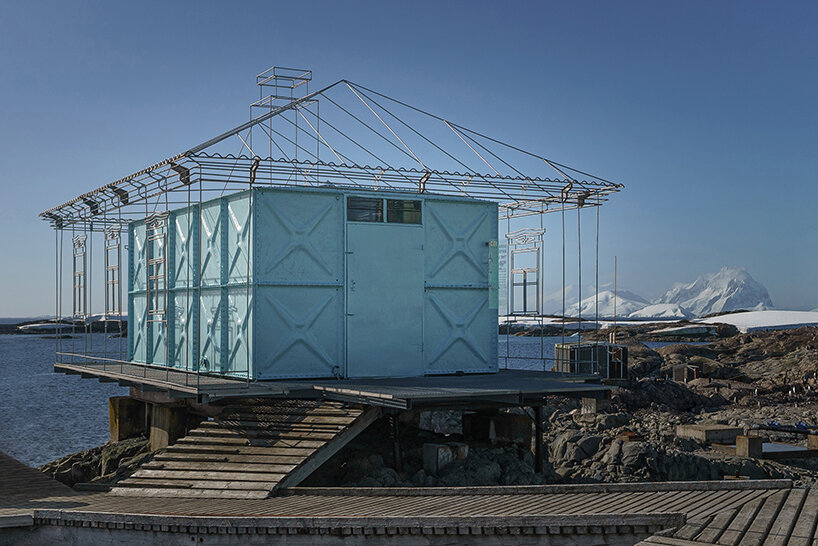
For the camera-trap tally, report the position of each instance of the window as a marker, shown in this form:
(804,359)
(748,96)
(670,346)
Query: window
(364,209)
(400,211)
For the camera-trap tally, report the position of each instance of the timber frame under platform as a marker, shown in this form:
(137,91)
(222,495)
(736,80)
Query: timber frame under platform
(504,388)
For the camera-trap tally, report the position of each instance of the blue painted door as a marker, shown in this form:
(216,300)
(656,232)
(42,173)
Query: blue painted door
(384,300)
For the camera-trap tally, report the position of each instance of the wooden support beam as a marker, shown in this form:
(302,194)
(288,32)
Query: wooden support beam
(126,417)
(539,447)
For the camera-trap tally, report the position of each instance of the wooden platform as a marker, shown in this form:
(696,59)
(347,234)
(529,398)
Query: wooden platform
(785,517)
(250,450)
(506,387)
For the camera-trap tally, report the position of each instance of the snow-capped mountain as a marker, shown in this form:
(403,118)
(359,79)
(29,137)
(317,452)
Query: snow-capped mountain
(730,289)
(626,303)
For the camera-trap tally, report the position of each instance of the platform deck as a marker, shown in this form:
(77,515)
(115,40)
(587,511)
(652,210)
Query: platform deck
(506,387)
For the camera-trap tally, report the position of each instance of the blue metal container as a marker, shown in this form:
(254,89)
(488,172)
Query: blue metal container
(316,282)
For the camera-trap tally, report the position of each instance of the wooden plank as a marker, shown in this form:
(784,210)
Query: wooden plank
(188,493)
(778,534)
(804,529)
(691,529)
(303,447)
(209,475)
(218,436)
(231,458)
(717,526)
(192,484)
(764,519)
(227,467)
(244,419)
(740,523)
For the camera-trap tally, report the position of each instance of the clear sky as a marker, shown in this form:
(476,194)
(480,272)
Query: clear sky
(706,111)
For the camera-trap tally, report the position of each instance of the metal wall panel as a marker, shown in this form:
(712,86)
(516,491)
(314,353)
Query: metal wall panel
(460,331)
(184,235)
(210,330)
(183,335)
(457,237)
(157,343)
(136,252)
(299,237)
(298,279)
(212,221)
(459,317)
(298,331)
(238,320)
(238,224)
(138,338)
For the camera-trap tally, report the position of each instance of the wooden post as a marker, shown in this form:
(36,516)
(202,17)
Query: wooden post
(126,417)
(749,446)
(168,424)
(539,448)
(395,433)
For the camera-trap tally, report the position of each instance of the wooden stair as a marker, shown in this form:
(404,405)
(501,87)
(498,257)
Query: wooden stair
(250,450)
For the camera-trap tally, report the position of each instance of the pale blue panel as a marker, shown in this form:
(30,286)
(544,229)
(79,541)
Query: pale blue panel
(384,300)
(184,234)
(210,330)
(211,243)
(239,343)
(138,264)
(185,307)
(158,343)
(238,224)
(138,335)
(460,314)
(457,237)
(298,331)
(460,331)
(299,236)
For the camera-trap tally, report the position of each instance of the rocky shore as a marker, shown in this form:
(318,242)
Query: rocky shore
(743,379)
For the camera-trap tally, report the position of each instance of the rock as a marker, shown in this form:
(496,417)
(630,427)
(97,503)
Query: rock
(608,420)
(589,445)
(633,453)
(113,453)
(82,472)
(436,457)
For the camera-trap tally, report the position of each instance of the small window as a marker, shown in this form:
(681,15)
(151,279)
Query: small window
(402,212)
(364,209)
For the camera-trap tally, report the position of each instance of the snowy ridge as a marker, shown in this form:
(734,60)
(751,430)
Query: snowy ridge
(730,289)
(624,305)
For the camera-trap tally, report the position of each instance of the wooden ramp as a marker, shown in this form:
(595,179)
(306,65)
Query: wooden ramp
(251,450)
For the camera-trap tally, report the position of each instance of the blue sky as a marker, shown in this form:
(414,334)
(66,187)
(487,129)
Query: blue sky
(704,110)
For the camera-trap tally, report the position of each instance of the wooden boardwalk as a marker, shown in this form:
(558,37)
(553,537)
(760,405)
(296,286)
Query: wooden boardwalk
(785,517)
(32,503)
(250,450)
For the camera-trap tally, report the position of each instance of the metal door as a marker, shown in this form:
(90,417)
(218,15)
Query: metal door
(384,300)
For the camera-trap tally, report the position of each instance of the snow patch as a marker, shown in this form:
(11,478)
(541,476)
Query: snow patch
(662,311)
(754,321)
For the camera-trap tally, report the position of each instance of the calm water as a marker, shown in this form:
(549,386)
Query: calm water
(47,415)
